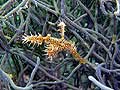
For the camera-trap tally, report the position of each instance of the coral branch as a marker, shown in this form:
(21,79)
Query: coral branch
(103,87)
(117,13)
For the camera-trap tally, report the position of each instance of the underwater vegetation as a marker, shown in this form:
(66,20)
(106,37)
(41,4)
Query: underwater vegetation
(59,45)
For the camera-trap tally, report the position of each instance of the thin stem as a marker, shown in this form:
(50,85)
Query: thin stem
(103,87)
(33,72)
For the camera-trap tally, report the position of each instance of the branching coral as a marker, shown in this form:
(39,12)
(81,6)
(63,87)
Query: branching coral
(55,45)
(94,25)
